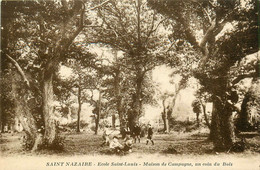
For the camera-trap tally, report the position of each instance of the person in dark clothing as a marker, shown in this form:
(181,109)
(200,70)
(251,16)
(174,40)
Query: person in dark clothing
(150,135)
(137,133)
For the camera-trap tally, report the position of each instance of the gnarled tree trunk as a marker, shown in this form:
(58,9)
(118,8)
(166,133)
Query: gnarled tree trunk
(119,100)
(79,108)
(205,114)
(197,119)
(113,121)
(222,129)
(164,116)
(98,113)
(47,98)
(137,102)
(242,123)
(25,116)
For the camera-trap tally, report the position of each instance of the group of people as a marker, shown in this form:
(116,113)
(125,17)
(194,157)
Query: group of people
(129,138)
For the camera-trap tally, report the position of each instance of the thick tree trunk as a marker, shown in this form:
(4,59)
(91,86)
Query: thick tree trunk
(98,113)
(164,116)
(97,124)
(164,120)
(50,125)
(38,141)
(79,108)
(26,118)
(119,100)
(113,121)
(137,103)
(198,120)
(170,108)
(213,122)
(243,124)
(205,115)
(167,119)
(122,122)
(28,122)
(24,114)
(167,123)
(222,129)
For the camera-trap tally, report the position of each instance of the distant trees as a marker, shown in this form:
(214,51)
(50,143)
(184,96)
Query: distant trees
(203,98)
(166,113)
(77,84)
(118,83)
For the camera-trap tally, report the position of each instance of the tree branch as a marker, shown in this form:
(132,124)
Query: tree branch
(108,43)
(138,23)
(207,35)
(210,19)
(79,29)
(153,29)
(119,16)
(19,69)
(81,22)
(115,31)
(98,6)
(190,36)
(243,76)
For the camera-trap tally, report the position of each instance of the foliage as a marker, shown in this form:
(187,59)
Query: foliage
(134,29)
(225,47)
(202,27)
(7,103)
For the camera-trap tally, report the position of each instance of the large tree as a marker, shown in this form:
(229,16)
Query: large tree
(38,35)
(203,26)
(136,30)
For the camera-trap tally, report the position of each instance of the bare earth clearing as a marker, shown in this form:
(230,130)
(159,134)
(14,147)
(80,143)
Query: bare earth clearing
(188,148)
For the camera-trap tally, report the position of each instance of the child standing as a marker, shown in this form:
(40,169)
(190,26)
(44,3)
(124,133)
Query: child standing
(150,135)
(137,133)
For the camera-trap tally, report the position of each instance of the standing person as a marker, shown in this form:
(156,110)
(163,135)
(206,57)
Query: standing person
(150,135)
(137,133)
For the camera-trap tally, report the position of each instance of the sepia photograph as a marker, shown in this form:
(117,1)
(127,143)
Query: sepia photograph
(130,84)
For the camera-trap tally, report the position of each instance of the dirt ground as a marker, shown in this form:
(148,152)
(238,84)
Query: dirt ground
(183,147)
(183,144)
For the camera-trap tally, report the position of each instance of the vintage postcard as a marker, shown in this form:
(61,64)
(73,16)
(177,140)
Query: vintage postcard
(129,84)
